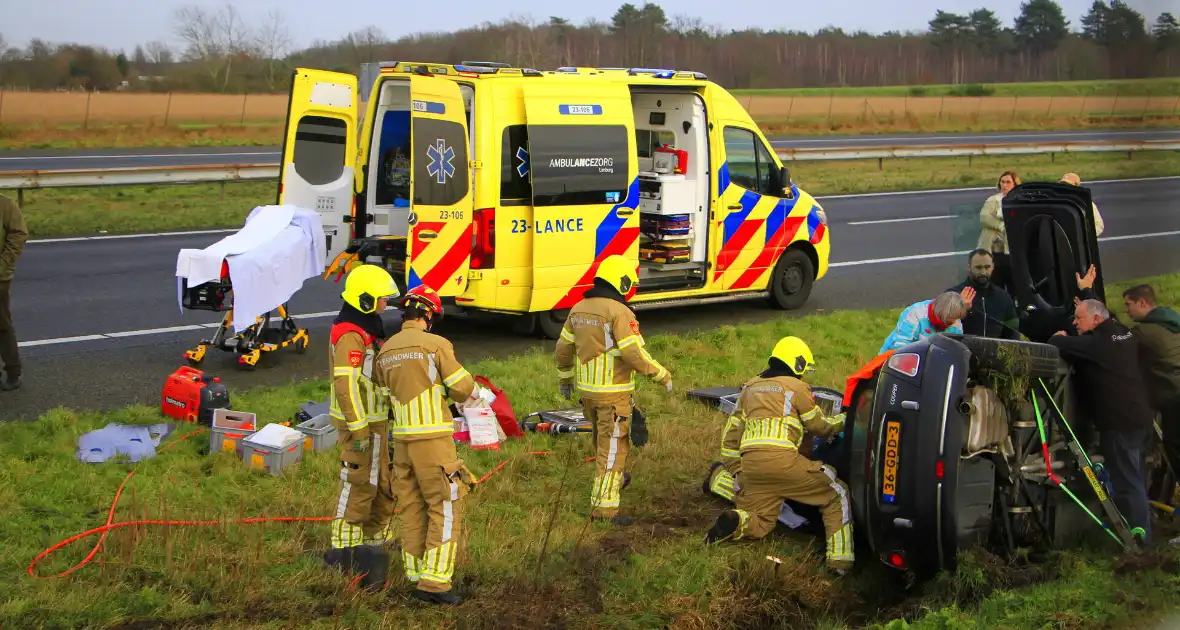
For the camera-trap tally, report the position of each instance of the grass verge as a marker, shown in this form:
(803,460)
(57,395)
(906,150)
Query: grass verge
(531,557)
(66,137)
(129,209)
(1166,86)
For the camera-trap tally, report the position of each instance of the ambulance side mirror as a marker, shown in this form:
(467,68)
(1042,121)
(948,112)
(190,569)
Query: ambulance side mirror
(784,177)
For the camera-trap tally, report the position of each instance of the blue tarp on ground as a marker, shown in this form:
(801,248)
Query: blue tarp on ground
(122,442)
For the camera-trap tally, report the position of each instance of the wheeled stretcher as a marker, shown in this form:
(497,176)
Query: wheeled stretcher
(268,260)
(260,337)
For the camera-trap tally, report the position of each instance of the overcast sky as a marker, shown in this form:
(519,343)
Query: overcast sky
(124,23)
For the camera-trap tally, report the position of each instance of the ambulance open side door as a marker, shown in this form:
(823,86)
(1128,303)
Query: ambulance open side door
(584,174)
(439,251)
(319,149)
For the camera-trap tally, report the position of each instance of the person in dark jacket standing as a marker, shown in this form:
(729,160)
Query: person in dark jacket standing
(1112,395)
(992,312)
(1158,330)
(13,235)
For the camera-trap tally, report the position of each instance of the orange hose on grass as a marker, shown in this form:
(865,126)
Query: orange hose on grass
(110,525)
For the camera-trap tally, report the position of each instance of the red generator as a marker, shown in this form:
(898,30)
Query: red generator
(190,396)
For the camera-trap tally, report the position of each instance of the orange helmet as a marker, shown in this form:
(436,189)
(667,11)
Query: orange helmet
(424,298)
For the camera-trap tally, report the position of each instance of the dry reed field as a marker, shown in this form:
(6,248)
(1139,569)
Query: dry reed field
(79,108)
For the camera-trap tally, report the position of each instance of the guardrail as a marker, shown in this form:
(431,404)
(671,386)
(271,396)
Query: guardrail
(223,174)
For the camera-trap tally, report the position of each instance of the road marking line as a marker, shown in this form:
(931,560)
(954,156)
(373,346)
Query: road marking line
(112,237)
(878,261)
(878,221)
(108,237)
(151,331)
(45,342)
(992,188)
(323,314)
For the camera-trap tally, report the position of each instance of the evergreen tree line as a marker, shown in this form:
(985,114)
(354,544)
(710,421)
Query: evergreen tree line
(223,52)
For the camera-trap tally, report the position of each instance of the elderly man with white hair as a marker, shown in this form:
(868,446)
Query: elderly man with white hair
(1112,395)
(930,317)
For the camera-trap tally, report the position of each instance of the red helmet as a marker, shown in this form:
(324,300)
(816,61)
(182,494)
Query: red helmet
(423,297)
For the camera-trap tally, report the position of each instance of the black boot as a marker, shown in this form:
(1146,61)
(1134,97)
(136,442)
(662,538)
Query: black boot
(376,565)
(10,383)
(343,559)
(726,526)
(445,597)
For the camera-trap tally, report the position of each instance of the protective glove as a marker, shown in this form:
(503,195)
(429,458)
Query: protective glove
(840,419)
(360,446)
(565,390)
(638,427)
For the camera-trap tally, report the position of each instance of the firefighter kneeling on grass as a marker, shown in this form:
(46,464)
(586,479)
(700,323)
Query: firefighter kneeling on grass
(600,349)
(774,412)
(419,369)
(365,506)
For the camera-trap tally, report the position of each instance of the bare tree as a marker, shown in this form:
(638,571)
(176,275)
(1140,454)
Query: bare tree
(272,41)
(158,54)
(213,39)
(366,44)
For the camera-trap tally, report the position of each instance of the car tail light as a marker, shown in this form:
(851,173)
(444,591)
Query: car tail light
(939,469)
(905,363)
(483,239)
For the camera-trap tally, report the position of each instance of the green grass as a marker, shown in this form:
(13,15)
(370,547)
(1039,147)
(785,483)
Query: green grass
(516,570)
(1169,86)
(88,211)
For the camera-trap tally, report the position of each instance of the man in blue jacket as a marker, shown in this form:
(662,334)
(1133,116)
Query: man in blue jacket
(992,313)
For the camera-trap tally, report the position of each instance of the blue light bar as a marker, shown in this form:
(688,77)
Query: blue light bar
(476,69)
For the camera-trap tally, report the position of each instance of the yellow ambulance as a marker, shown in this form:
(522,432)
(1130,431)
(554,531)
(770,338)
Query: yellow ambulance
(503,188)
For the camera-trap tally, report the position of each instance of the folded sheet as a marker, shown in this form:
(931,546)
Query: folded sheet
(269,259)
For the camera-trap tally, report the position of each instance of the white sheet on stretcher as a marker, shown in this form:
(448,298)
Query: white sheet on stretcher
(269,259)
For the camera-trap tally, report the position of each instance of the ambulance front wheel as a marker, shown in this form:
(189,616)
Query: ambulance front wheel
(791,280)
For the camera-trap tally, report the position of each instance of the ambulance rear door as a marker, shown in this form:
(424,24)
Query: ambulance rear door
(316,171)
(439,251)
(581,152)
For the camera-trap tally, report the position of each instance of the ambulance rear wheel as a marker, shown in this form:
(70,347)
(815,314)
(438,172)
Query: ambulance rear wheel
(550,323)
(791,280)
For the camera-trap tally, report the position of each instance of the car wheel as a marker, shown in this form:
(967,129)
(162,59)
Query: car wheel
(791,280)
(1007,356)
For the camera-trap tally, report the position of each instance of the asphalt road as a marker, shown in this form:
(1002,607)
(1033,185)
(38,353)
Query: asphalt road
(117,297)
(125,158)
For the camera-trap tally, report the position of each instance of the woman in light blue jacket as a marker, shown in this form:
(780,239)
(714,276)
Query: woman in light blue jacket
(930,317)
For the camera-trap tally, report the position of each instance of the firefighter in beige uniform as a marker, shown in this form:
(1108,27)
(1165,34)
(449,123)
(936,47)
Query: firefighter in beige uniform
(365,506)
(600,349)
(774,412)
(419,369)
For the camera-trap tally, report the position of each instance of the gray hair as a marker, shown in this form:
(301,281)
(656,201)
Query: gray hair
(1097,308)
(950,307)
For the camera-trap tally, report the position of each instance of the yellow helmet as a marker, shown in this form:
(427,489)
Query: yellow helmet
(793,352)
(365,285)
(620,274)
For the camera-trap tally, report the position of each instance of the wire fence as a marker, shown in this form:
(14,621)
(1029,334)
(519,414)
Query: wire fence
(89,108)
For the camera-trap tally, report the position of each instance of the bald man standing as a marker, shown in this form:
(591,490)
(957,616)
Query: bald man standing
(1112,395)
